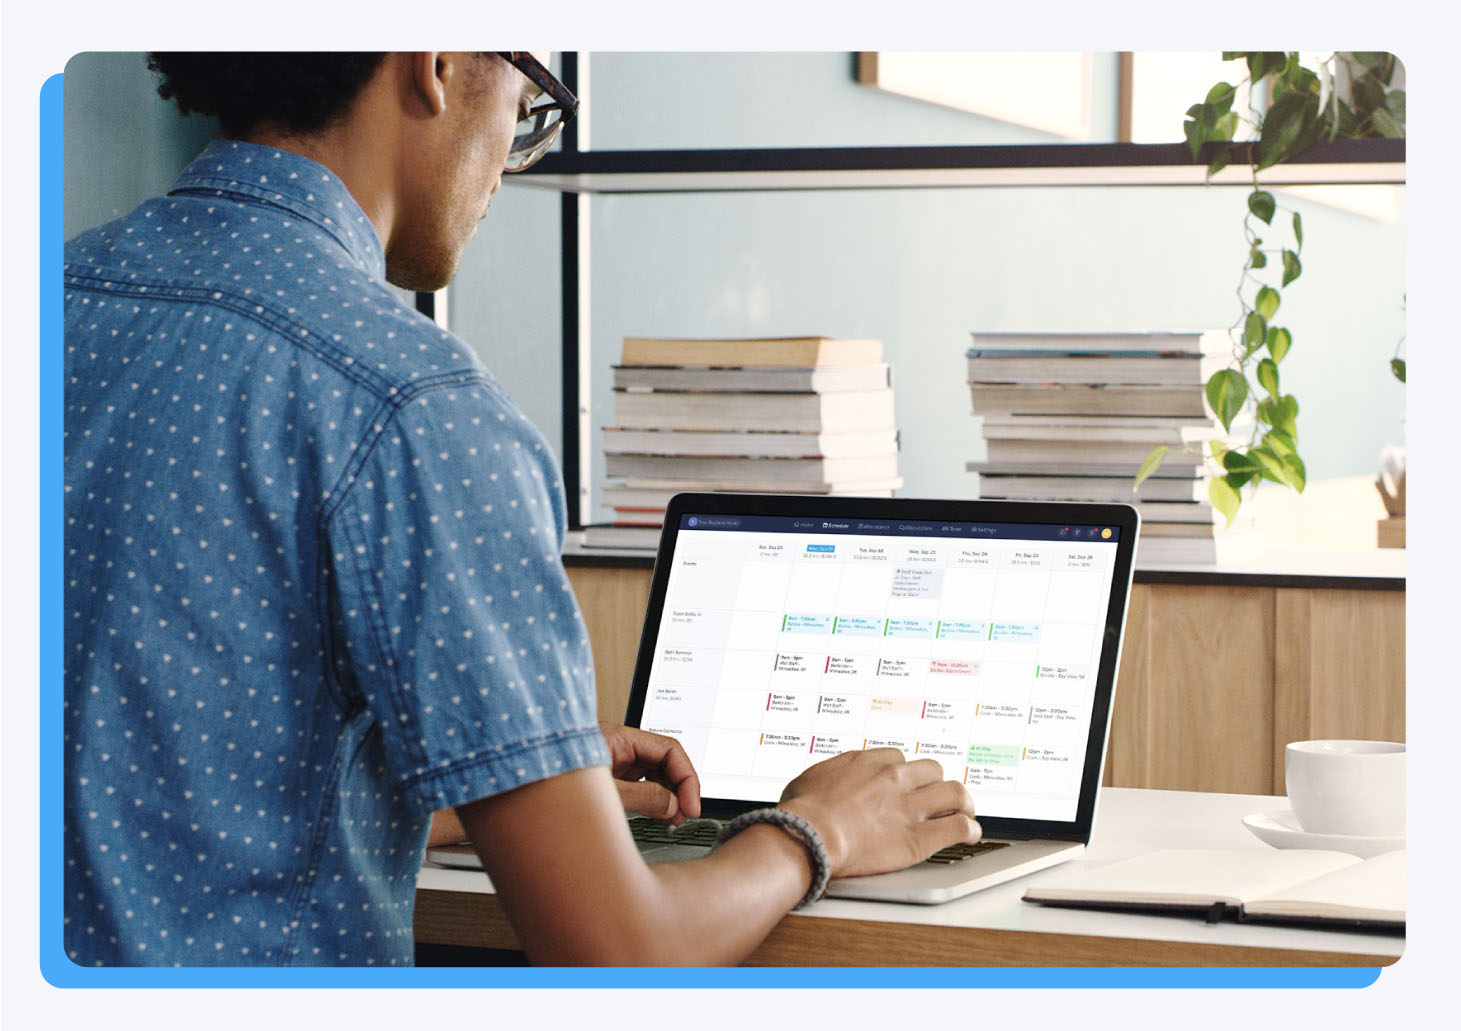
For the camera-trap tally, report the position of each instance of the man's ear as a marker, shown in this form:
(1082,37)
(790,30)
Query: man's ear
(430,74)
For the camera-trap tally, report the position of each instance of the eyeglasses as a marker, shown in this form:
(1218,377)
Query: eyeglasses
(537,129)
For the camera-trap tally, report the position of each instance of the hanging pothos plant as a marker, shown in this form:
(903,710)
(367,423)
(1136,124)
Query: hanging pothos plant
(1291,108)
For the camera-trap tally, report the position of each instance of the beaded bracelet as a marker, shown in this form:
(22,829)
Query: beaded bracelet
(798,828)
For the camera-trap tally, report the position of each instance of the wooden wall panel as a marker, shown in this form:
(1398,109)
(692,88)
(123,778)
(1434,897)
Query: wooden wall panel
(613,603)
(1127,755)
(1210,689)
(1339,667)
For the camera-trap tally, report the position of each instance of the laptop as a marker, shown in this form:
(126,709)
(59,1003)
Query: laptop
(985,635)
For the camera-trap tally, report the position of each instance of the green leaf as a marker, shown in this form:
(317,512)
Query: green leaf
(1256,257)
(1198,129)
(1386,124)
(1279,342)
(1255,332)
(1218,163)
(1287,415)
(1397,367)
(1224,497)
(1281,413)
(1219,449)
(1262,204)
(1195,134)
(1261,62)
(1271,467)
(1268,376)
(1368,94)
(1266,303)
(1298,231)
(1372,59)
(1239,468)
(1227,391)
(1220,97)
(1280,443)
(1346,124)
(1292,269)
(1150,465)
(1298,475)
(1286,127)
(1395,104)
(1298,78)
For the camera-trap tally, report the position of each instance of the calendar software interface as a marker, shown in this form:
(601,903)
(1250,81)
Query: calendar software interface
(786,640)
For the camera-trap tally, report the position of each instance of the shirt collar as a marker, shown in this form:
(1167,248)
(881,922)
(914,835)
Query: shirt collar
(289,181)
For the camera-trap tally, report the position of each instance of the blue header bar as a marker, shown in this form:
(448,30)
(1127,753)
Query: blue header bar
(1084,533)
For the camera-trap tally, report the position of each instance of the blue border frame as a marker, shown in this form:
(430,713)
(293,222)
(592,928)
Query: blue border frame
(60,972)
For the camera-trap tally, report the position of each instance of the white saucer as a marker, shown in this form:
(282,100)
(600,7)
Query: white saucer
(1281,830)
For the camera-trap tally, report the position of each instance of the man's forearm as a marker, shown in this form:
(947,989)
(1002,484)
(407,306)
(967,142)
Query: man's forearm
(718,909)
(591,899)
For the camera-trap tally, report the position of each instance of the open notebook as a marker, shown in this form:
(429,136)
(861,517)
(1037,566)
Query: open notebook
(1288,885)
(985,635)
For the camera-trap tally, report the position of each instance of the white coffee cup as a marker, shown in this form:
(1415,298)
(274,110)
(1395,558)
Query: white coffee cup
(1352,788)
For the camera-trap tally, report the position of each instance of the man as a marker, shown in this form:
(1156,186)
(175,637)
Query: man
(313,583)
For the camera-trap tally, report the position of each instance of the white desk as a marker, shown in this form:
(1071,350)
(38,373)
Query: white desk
(994,927)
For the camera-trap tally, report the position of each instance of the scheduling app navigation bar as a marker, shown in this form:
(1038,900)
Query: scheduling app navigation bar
(1083,532)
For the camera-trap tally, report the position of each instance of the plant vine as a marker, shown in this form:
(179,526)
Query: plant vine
(1290,108)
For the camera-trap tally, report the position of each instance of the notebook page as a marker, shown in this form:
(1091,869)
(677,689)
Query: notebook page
(1372,890)
(1191,876)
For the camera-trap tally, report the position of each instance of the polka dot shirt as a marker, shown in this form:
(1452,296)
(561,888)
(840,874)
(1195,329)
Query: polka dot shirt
(313,587)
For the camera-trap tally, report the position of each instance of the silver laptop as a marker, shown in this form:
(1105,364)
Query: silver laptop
(985,635)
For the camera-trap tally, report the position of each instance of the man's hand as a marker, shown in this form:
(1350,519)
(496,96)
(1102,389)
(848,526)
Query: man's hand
(653,774)
(876,812)
(577,891)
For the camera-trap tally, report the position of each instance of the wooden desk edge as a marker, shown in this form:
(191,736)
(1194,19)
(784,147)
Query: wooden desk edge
(476,920)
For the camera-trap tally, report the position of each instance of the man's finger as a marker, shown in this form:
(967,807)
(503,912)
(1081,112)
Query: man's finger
(656,757)
(947,830)
(883,754)
(941,798)
(650,799)
(921,772)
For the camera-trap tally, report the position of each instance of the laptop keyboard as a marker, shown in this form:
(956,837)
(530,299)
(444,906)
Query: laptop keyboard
(964,850)
(704,832)
(691,832)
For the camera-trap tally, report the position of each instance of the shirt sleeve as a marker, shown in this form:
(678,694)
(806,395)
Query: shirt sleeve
(462,631)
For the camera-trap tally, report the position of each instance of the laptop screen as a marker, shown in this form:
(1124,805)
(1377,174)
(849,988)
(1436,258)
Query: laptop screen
(783,638)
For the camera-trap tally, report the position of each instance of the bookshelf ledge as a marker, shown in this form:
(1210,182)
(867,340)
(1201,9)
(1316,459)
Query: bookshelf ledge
(1063,164)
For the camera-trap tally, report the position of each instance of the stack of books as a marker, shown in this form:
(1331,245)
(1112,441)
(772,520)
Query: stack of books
(794,415)
(1072,416)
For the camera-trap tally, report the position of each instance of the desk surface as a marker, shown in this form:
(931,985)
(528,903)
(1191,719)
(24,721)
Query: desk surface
(457,907)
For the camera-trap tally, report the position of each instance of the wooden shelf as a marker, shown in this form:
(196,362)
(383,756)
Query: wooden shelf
(844,168)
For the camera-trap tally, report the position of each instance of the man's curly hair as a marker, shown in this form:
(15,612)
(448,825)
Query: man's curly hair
(300,92)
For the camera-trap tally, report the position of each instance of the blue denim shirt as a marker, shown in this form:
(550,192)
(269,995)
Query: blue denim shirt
(313,587)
